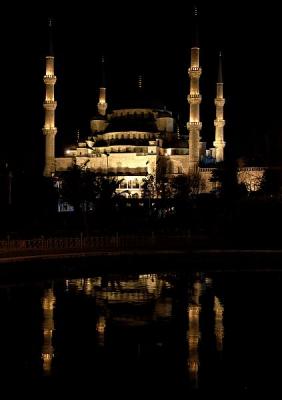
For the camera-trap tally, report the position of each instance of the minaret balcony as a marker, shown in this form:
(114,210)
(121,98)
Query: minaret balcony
(219,144)
(219,102)
(195,72)
(50,105)
(49,131)
(194,98)
(102,107)
(50,79)
(219,123)
(194,126)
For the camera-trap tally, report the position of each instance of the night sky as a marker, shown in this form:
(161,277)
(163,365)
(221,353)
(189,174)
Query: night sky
(152,38)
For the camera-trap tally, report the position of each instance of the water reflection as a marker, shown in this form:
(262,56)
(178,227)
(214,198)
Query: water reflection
(48,303)
(163,325)
(194,335)
(100,328)
(194,331)
(218,327)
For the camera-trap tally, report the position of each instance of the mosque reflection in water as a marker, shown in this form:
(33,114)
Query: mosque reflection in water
(131,324)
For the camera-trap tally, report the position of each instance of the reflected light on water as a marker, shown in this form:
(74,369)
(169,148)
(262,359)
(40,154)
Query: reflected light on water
(195,331)
(194,335)
(218,327)
(169,326)
(48,302)
(100,328)
(205,312)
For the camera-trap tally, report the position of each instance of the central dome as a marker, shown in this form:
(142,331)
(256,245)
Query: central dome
(132,119)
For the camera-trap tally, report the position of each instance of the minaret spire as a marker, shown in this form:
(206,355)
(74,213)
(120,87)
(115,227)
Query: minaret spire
(103,77)
(49,105)
(219,121)
(51,47)
(140,82)
(102,104)
(194,99)
(195,27)
(219,75)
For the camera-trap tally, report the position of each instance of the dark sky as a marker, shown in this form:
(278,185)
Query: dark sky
(149,37)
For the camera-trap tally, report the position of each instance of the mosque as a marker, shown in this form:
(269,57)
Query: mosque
(139,141)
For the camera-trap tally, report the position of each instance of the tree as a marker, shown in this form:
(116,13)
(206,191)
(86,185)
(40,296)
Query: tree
(149,189)
(163,188)
(75,186)
(271,182)
(250,178)
(225,178)
(185,186)
(196,183)
(81,187)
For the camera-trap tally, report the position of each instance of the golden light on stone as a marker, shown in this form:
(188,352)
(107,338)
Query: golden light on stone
(49,129)
(129,151)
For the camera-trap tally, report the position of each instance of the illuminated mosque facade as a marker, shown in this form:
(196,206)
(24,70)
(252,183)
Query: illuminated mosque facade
(138,141)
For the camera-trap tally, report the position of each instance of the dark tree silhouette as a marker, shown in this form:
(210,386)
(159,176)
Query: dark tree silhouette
(271,182)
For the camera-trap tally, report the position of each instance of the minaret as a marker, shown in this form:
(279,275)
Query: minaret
(219,122)
(102,104)
(50,105)
(194,99)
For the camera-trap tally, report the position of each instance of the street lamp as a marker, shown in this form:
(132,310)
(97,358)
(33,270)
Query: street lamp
(149,187)
(9,181)
(107,155)
(10,177)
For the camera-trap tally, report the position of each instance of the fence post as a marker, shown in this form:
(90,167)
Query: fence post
(117,240)
(81,240)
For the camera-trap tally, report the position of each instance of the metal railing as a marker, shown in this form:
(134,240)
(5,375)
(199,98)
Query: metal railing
(98,242)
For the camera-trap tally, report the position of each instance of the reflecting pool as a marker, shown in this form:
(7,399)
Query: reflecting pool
(137,335)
